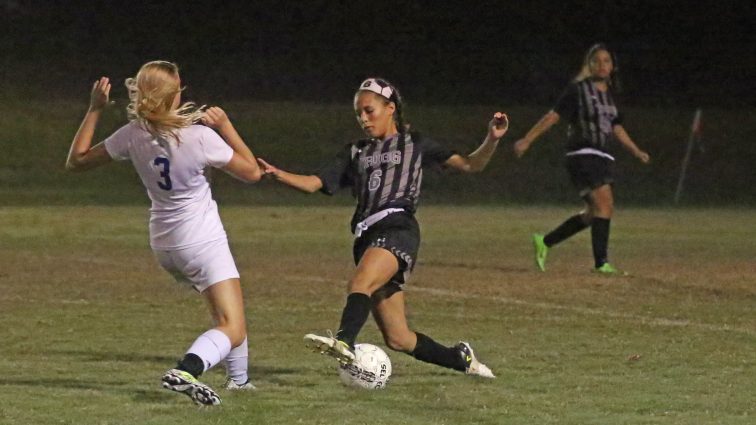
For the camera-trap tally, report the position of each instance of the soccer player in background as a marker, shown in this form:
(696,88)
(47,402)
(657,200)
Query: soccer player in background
(594,121)
(385,173)
(170,154)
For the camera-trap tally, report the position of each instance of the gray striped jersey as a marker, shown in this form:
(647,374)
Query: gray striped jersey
(383,173)
(591,115)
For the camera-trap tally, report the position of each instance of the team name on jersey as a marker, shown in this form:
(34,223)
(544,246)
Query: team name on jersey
(393,157)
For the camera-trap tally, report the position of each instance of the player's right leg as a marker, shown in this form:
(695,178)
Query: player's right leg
(376,267)
(389,314)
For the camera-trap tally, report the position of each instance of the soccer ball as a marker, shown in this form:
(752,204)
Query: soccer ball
(370,369)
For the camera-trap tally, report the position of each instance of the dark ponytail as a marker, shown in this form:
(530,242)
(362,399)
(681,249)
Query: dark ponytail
(396,97)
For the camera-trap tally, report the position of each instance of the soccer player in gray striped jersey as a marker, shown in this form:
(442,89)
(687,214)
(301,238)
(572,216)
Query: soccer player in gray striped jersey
(594,122)
(385,173)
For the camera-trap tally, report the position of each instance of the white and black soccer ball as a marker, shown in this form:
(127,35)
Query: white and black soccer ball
(370,369)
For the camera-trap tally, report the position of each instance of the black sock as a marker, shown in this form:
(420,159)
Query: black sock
(571,226)
(600,240)
(355,315)
(428,350)
(192,363)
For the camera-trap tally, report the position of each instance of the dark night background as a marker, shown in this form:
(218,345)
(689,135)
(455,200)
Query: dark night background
(524,52)
(286,72)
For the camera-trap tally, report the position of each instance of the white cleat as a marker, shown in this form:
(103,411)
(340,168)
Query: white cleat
(330,346)
(473,366)
(233,386)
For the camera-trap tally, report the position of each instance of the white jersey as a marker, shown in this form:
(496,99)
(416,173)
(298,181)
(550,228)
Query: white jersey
(183,212)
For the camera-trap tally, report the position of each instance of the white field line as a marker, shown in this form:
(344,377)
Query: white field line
(644,320)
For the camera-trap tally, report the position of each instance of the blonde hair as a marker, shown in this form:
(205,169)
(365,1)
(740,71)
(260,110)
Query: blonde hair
(151,95)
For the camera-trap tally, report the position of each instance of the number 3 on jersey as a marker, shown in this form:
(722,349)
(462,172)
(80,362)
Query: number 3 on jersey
(165,174)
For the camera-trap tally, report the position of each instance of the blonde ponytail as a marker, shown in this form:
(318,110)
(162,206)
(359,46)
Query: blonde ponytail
(152,93)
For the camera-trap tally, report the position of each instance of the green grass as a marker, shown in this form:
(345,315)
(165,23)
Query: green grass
(35,137)
(90,322)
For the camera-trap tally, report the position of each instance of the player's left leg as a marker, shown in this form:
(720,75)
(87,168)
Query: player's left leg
(601,201)
(227,309)
(567,229)
(389,314)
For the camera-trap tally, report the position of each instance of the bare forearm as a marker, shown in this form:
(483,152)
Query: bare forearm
(82,141)
(234,140)
(543,125)
(621,135)
(626,141)
(304,183)
(479,159)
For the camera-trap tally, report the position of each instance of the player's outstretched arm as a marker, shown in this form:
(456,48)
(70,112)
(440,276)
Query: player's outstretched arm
(627,143)
(478,160)
(82,156)
(305,183)
(243,164)
(543,125)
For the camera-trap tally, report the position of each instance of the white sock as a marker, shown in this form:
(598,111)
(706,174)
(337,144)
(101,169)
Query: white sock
(237,363)
(212,347)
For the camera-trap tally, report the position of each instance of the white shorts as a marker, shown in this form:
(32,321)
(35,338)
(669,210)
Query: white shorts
(200,266)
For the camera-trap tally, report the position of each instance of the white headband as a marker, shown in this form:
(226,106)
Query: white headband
(378,87)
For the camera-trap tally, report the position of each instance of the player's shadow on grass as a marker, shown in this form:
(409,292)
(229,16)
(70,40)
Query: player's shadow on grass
(105,356)
(158,395)
(257,372)
(474,266)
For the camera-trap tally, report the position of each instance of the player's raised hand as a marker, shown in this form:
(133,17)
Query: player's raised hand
(267,169)
(216,118)
(100,95)
(499,125)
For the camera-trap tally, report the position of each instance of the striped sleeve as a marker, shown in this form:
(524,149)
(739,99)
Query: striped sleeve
(433,152)
(336,174)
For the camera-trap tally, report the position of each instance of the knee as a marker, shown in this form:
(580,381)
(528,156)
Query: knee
(605,210)
(235,330)
(401,341)
(235,335)
(587,216)
(362,284)
(602,209)
(237,338)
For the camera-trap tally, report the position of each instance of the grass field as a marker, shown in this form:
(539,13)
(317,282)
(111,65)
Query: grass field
(90,322)
(35,137)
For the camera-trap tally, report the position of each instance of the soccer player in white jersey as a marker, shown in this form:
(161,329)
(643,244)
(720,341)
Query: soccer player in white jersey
(170,154)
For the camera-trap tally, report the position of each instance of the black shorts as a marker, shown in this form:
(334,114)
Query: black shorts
(589,172)
(398,233)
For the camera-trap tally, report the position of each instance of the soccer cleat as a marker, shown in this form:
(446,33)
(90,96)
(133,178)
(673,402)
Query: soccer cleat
(233,386)
(540,251)
(472,365)
(183,382)
(331,346)
(609,270)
